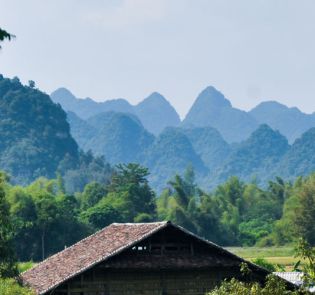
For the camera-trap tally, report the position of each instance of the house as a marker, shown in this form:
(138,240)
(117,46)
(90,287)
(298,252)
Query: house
(138,258)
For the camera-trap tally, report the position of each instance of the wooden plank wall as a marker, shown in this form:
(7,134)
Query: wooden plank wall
(143,283)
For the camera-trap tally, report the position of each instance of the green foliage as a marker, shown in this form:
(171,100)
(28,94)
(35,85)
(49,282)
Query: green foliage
(306,252)
(273,286)
(170,154)
(24,266)
(45,219)
(88,169)
(12,287)
(257,156)
(131,192)
(35,136)
(304,218)
(8,266)
(265,264)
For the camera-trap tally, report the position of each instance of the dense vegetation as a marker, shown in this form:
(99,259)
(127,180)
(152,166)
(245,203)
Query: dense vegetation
(41,218)
(36,140)
(35,135)
(46,219)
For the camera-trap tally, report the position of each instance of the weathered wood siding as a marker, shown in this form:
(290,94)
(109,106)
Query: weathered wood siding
(144,283)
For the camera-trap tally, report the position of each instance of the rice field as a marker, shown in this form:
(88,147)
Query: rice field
(282,256)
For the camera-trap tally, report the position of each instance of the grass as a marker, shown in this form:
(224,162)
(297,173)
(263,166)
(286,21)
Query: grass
(283,256)
(23,266)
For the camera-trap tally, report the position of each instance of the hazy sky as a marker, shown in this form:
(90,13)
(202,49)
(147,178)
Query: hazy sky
(251,50)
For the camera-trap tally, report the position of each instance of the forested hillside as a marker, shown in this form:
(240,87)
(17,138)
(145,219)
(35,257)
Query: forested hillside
(263,156)
(120,137)
(256,157)
(36,140)
(35,135)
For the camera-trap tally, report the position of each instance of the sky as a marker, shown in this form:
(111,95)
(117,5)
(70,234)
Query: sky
(252,51)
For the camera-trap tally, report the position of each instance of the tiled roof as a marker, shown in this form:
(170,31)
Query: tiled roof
(83,255)
(103,245)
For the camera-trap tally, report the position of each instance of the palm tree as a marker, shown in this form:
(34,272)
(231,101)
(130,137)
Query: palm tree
(5,35)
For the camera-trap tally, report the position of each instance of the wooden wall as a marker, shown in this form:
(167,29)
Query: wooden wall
(106,282)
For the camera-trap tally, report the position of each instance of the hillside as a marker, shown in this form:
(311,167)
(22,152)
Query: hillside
(291,122)
(219,141)
(300,159)
(80,129)
(256,157)
(154,112)
(34,132)
(209,145)
(171,153)
(212,109)
(119,137)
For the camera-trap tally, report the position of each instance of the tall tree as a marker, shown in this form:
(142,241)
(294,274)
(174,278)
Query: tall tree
(304,218)
(130,187)
(7,256)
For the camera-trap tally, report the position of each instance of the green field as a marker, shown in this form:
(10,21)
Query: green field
(283,256)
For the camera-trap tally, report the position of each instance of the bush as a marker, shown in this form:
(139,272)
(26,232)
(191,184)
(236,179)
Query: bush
(12,287)
(265,264)
(273,286)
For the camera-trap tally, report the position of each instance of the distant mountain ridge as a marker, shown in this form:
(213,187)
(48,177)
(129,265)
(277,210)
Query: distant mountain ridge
(291,122)
(155,112)
(210,109)
(217,139)
(39,142)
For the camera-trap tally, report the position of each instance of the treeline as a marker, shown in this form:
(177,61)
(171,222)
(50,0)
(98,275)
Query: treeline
(46,219)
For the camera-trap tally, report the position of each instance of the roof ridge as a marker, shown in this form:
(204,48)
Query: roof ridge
(139,223)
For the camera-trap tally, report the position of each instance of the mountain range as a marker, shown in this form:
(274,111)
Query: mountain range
(150,111)
(210,109)
(217,139)
(38,138)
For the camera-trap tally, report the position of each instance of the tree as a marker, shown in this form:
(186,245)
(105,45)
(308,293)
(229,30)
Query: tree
(307,253)
(92,194)
(130,187)
(7,257)
(304,218)
(273,286)
(102,214)
(31,84)
(5,35)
